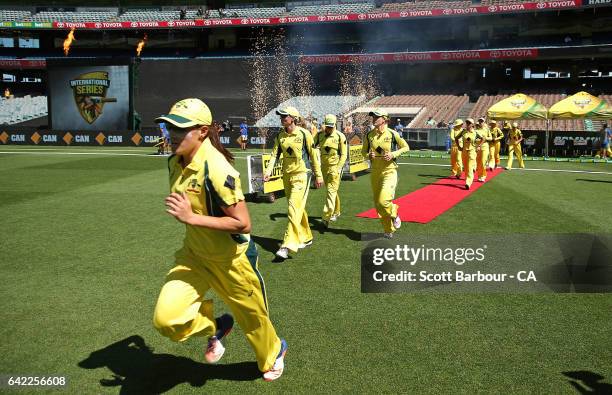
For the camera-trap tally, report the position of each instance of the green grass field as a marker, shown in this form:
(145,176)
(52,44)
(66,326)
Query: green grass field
(86,244)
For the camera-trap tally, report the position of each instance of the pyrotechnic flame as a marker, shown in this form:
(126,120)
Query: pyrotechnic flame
(68,41)
(141,45)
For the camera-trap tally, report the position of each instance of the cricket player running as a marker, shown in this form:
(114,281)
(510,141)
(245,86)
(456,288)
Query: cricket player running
(466,141)
(382,146)
(495,145)
(332,145)
(515,136)
(455,152)
(296,145)
(483,138)
(217,251)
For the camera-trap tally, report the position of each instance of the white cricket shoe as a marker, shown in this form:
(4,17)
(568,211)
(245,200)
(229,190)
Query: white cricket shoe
(397,222)
(279,364)
(283,252)
(304,245)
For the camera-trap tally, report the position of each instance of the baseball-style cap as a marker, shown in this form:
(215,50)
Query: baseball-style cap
(458,122)
(507,123)
(469,120)
(329,120)
(493,122)
(379,112)
(291,111)
(481,119)
(187,113)
(515,125)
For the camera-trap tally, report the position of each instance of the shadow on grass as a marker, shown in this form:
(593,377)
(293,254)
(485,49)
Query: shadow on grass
(316,224)
(586,382)
(587,180)
(137,369)
(432,176)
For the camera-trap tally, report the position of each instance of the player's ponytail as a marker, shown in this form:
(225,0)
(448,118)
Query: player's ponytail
(213,135)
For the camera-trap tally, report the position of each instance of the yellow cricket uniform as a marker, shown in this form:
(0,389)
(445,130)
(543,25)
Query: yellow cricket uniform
(333,150)
(514,147)
(468,154)
(455,152)
(215,259)
(384,173)
(482,156)
(297,149)
(494,147)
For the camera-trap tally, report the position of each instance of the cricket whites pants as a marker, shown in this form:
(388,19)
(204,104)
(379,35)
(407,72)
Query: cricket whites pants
(469,165)
(455,156)
(482,158)
(182,311)
(515,149)
(298,230)
(494,148)
(332,178)
(384,182)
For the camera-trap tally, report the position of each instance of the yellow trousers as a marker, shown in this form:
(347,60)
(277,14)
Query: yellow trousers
(494,148)
(456,165)
(331,177)
(469,165)
(515,149)
(482,159)
(298,230)
(182,311)
(383,189)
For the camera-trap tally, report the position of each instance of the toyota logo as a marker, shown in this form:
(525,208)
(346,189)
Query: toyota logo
(403,14)
(397,57)
(493,8)
(361,16)
(134,24)
(321,18)
(495,54)
(98,25)
(207,23)
(60,24)
(444,55)
(170,23)
(244,21)
(282,20)
(447,11)
(541,5)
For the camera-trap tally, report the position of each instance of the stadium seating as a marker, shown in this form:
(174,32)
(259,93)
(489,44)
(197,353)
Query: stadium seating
(438,107)
(315,106)
(332,9)
(22,109)
(425,5)
(256,12)
(51,16)
(11,15)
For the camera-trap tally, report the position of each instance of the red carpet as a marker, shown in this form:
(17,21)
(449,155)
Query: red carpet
(427,203)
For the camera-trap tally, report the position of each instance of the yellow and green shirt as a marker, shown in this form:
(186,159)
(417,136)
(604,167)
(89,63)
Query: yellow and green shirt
(515,135)
(333,149)
(453,134)
(496,134)
(467,139)
(483,134)
(296,149)
(382,142)
(210,182)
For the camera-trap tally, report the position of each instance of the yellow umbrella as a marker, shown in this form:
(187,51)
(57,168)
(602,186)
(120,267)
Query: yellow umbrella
(579,106)
(518,106)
